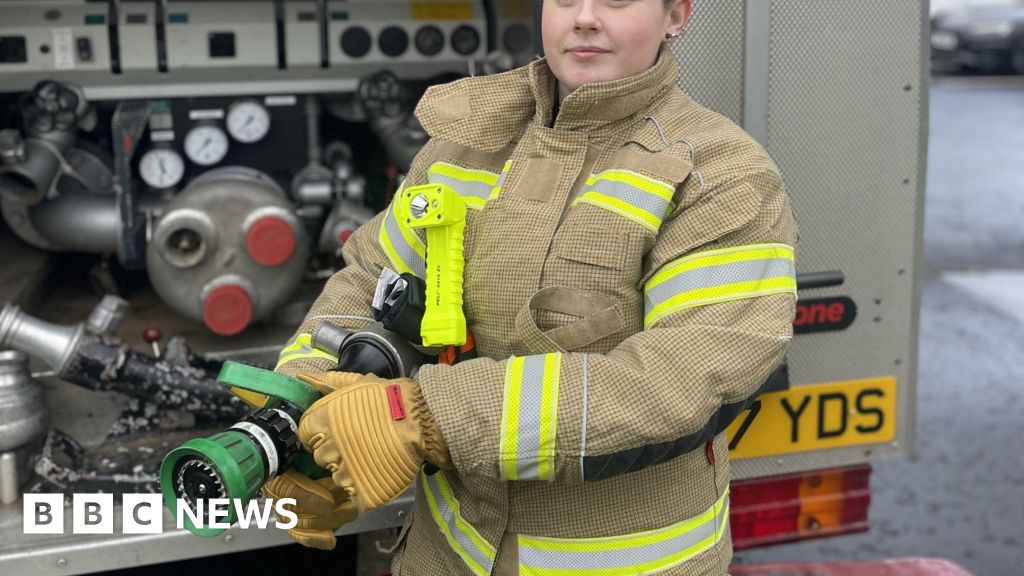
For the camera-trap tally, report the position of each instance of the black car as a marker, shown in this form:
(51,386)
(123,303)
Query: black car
(986,38)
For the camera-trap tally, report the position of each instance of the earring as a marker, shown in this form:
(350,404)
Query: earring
(672,35)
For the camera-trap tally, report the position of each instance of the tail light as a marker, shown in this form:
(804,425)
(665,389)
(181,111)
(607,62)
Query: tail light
(799,506)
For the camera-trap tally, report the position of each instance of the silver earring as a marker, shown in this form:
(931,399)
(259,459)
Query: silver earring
(672,35)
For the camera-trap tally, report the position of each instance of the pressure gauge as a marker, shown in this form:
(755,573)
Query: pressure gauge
(248,121)
(206,144)
(161,167)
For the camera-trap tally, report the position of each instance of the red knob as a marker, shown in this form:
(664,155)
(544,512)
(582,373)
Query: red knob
(152,334)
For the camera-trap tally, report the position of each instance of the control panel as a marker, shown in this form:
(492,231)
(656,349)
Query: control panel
(170,48)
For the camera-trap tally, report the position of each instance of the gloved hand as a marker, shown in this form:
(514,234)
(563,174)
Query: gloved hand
(321,506)
(373,435)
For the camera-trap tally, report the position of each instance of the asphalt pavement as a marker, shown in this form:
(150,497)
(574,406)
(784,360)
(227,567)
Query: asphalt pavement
(961,495)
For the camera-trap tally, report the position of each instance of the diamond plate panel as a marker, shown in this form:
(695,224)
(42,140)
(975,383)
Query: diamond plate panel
(710,56)
(847,102)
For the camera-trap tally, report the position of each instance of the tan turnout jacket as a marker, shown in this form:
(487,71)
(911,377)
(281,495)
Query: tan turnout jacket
(629,281)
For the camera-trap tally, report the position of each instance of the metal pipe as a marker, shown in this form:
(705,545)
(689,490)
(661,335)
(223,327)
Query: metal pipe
(52,343)
(812,280)
(106,363)
(41,163)
(8,478)
(83,222)
(108,315)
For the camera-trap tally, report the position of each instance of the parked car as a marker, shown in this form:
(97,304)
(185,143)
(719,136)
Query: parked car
(985,38)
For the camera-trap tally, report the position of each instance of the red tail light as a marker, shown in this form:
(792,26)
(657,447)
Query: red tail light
(799,506)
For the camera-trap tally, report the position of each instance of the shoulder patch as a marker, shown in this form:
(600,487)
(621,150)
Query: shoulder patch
(454,107)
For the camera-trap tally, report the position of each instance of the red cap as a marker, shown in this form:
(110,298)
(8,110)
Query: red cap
(344,236)
(227,310)
(270,241)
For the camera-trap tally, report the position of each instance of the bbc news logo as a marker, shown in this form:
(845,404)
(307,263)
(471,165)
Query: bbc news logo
(143,513)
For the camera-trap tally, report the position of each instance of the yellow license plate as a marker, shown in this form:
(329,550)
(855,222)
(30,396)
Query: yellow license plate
(442,10)
(816,417)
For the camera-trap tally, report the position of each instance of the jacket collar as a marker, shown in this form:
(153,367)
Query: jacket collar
(599,104)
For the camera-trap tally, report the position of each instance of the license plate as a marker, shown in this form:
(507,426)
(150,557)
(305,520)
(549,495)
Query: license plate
(816,417)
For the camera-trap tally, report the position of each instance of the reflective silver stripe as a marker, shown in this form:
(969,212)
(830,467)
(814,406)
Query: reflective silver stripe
(633,196)
(475,551)
(405,251)
(530,400)
(502,178)
(501,181)
(723,274)
(529,420)
(640,553)
(586,404)
(472,188)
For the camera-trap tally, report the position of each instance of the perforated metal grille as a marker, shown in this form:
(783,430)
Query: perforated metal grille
(844,117)
(710,56)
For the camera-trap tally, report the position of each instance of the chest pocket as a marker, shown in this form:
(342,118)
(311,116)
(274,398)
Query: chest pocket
(638,185)
(616,215)
(600,246)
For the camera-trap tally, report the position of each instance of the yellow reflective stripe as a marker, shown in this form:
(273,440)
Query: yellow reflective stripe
(474,186)
(475,551)
(645,219)
(510,417)
(529,420)
(466,174)
(656,187)
(721,256)
(301,348)
(403,246)
(626,555)
(634,196)
(716,276)
(501,181)
(549,417)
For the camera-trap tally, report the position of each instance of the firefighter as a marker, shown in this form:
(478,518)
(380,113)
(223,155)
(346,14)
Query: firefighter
(630,285)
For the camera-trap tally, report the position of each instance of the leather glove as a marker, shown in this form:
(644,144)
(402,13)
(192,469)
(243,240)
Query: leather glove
(320,505)
(373,435)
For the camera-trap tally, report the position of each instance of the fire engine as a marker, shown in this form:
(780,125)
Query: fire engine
(146,146)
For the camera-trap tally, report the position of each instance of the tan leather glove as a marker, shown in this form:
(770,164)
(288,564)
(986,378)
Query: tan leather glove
(320,505)
(373,435)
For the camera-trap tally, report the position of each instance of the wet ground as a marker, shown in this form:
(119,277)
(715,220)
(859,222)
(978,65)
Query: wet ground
(961,496)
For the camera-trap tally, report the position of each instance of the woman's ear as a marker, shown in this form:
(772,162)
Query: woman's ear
(679,15)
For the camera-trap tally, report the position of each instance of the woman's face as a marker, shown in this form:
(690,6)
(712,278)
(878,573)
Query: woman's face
(599,40)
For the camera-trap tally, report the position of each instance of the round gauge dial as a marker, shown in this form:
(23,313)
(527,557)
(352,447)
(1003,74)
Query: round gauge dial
(248,121)
(206,144)
(517,38)
(393,41)
(161,167)
(465,40)
(429,40)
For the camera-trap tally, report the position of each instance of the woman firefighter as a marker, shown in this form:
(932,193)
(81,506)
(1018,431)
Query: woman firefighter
(629,283)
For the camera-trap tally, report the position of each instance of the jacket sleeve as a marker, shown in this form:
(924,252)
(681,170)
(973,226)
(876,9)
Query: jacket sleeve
(720,291)
(347,297)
